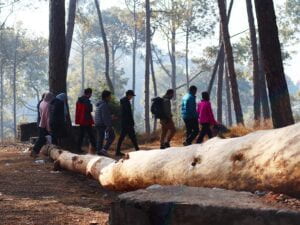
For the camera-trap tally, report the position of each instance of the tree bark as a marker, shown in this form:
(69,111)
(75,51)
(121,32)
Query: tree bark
(220,88)
(82,68)
(147,68)
(230,63)
(134,44)
(106,49)
(113,67)
(70,28)
(263,88)
(228,97)
(155,92)
(1,100)
(57,48)
(187,58)
(278,90)
(256,86)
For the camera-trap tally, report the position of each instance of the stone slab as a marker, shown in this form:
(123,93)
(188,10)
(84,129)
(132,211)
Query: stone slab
(181,205)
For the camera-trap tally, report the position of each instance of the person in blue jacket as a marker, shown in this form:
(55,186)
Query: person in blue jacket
(190,115)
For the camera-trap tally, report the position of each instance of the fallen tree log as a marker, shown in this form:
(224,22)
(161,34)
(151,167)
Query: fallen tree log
(262,160)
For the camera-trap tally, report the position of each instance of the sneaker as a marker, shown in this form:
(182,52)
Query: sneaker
(103,152)
(162,146)
(121,154)
(167,145)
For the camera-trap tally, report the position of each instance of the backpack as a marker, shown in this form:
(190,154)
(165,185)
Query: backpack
(157,108)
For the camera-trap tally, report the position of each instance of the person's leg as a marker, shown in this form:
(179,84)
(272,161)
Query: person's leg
(203,132)
(189,130)
(41,141)
(121,139)
(195,130)
(100,138)
(172,132)
(164,131)
(209,132)
(110,139)
(132,136)
(82,130)
(89,130)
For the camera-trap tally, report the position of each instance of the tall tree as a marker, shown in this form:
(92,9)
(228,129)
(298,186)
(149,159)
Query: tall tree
(57,49)
(228,97)
(256,80)
(271,51)
(220,88)
(14,82)
(230,62)
(147,67)
(106,49)
(70,27)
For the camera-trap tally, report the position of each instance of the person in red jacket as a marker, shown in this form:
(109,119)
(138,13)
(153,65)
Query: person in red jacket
(84,118)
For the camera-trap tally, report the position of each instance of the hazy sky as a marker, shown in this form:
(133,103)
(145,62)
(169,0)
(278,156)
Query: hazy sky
(36,22)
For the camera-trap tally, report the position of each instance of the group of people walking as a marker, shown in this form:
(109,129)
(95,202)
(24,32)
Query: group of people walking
(53,117)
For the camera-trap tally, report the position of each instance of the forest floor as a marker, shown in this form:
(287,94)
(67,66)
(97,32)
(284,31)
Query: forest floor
(32,193)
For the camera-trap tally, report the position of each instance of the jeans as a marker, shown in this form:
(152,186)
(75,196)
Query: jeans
(205,130)
(104,134)
(192,130)
(89,131)
(41,141)
(168,131)
(127,130)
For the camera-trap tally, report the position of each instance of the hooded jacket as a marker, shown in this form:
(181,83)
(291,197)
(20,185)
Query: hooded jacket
(84,109)
(205,113)
(189,107)
(44,111)
(103,114)
(126,112)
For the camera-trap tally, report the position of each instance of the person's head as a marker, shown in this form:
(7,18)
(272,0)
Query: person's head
(88,92)
(170,93)
(130,94)
(62,97)
(193,90)
(205,96)
(106,95)
(48,97)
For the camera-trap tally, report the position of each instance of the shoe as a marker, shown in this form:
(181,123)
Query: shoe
(162,146)
(103,153)
(121,154)
(33,154)
(167,145)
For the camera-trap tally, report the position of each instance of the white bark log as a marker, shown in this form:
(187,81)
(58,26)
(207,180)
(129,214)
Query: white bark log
(263,160)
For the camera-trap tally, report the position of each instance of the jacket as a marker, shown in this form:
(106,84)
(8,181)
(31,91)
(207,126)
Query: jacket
(58,117)
(126,113)
(103,114)
(205,113)
(167,107)
(44,111)
(83,114)
(189,107)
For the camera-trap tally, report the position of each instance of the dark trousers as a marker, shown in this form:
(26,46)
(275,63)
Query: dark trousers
(89,131)
(192,130)
(127,130)
(205,130)
(104,134)
(41,141)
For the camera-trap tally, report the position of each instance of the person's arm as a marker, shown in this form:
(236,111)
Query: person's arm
(167,109)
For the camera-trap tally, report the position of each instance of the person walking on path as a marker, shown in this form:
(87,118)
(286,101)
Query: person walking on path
(168,129)
(44,126)
(190,115)
(127,123)
(84,119)
(103,122)
(58,118)
(205,117)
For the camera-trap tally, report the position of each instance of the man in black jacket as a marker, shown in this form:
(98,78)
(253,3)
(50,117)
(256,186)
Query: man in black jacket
(127,122)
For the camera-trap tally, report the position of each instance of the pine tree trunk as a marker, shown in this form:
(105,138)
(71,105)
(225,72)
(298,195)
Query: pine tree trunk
(173,56)
(15,87)
(263,88)
(256,85)
(230,63)
(106,50)
(57,48)
(220,88)
(155,92)
(278,90)
(187,58)
(147,68)
(113,65)
(1,101)
(70,28)
(82,68)
(228,97)
(134,54)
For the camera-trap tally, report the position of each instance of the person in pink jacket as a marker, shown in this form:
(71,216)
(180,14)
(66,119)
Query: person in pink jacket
(205,117)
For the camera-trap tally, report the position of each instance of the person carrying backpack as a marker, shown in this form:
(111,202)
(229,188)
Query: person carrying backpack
(127,123)
(103,122)
(44,126)
(190,115)
(58,118)
(205,117)
(84,118)
(168,129)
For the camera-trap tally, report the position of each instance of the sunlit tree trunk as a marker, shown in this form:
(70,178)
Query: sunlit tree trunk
(230,63)
(256,85)
(147,68)
(70,28)
(57,48)
(106,49)
(271,51)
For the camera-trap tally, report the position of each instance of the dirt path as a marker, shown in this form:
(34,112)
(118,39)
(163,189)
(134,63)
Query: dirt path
(31,193)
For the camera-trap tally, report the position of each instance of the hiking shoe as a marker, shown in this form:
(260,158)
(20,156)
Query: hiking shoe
(103,153)
(121,154)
